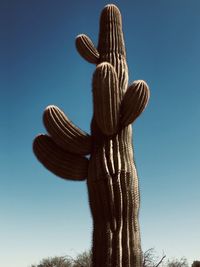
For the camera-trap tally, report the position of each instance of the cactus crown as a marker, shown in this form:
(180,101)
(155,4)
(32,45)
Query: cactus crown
(111,38)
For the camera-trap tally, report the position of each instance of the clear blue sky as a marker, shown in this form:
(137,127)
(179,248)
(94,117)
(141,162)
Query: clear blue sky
(42,215)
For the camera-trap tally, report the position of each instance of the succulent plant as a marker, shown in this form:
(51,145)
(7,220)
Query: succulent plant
(196,264)
(110,170)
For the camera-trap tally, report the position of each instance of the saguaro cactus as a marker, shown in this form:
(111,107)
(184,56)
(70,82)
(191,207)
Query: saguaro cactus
(110,170)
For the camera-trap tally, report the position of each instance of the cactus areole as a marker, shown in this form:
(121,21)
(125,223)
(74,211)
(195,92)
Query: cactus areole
(110,170)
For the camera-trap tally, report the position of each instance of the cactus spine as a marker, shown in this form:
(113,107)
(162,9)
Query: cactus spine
(110,172)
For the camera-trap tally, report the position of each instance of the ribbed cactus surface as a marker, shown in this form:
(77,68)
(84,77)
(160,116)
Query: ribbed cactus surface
(110,171)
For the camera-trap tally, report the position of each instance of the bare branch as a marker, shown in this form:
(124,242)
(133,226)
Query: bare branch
(160,261)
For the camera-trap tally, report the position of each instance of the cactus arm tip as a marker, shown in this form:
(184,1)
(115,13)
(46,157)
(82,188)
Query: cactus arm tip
(61,163)
(134,102)
(106,98)
(86,48)
(68,136)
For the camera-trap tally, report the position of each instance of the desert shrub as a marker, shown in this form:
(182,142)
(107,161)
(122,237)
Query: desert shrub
(54,262)
(178,263)
(81,260)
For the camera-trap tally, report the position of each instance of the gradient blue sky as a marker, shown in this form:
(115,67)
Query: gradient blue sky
(42,215)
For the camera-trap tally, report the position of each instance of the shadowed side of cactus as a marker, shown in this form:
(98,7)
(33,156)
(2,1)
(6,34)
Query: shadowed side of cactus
(110,171)
(59,161)
(196,264)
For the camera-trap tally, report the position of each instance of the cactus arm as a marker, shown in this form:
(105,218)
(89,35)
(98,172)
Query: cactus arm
(64,133)
(134,102)
(86,49)
(61,163)
(106,98)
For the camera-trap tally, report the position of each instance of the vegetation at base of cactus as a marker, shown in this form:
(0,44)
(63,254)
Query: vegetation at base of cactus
(65,133)
(86,49)
(83,259)
(112,180)
(60,162)
(150,259)
(177,262)
(134,102)
(54,262)
(106,98)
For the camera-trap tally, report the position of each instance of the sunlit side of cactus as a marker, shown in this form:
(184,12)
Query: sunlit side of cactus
(110,171)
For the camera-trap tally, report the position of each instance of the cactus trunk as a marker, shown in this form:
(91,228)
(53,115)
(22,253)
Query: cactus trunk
(114,200)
